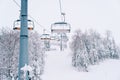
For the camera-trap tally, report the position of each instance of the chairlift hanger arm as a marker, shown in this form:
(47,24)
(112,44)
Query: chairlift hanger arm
(62,14)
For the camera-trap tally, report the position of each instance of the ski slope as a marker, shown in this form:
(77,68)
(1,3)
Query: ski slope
(58,67)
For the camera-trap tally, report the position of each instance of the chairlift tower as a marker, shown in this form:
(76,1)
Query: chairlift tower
(23,56)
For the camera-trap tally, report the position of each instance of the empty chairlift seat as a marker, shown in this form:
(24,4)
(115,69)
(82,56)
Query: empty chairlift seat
(17,23)
(45,37)
(60,27)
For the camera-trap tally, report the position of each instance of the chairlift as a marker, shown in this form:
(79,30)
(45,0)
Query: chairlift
(60,27)
(45,37)
(16,25)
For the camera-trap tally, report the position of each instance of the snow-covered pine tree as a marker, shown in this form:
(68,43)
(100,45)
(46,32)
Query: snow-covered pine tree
(80,55)
(95,40)
(110,46)
(74,47)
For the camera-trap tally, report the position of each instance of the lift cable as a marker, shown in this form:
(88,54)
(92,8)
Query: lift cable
(16,3)
(36,21)
(30,16)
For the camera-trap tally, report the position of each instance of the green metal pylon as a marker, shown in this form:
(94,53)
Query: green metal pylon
(23,55)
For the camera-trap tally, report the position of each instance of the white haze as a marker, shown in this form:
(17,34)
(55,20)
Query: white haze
(100,15)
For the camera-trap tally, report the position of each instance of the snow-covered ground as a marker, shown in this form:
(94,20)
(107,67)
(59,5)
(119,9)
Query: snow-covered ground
(58,67)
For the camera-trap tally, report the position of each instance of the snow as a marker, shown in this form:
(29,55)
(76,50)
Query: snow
(26,68)
(58,67)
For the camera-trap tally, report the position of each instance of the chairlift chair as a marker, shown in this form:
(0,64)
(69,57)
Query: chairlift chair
(30,25)
(16,25)
(60,27)
(45,37)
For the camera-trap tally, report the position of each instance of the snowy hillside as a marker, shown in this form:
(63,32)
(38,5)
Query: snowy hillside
(58,67)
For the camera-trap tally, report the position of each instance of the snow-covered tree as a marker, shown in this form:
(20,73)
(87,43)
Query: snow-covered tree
(110,46)
(94,41)
(9,44)
(90,47)
(9,49)
(36,52)
(80,55)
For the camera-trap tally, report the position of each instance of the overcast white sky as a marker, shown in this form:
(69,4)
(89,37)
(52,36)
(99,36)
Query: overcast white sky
(100,15)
